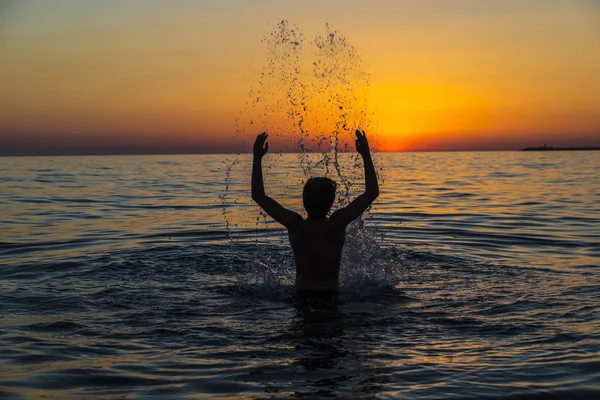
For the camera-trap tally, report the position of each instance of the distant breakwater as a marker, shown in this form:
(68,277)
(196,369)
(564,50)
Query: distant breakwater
(549,148)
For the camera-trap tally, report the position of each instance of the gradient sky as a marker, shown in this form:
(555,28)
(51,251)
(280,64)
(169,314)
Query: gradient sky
(113,76)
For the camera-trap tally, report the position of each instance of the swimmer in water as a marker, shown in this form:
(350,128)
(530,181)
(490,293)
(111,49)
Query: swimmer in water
(318,240)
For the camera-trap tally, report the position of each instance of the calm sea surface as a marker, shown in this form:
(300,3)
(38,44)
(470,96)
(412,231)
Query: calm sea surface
(476,275)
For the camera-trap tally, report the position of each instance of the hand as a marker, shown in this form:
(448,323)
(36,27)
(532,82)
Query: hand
(261,146)
(362,145)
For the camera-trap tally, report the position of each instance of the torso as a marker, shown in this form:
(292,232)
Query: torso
(317,247)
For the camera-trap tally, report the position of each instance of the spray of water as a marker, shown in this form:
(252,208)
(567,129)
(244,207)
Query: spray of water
(311,97)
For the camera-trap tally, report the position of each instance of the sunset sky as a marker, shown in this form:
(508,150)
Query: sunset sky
(113,76)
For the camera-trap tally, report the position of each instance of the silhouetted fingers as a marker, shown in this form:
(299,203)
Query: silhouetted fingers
(262,138)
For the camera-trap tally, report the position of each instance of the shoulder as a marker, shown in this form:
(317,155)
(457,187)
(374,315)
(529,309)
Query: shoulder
(336,222)
(335,217)
(295,221)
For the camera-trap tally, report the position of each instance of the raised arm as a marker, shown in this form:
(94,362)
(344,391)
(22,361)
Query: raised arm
(279,213)
(349,213)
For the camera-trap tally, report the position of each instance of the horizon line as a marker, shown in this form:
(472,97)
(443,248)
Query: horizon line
(117,154)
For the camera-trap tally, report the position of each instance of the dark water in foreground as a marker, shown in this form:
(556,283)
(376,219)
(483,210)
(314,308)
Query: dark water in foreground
(118,280)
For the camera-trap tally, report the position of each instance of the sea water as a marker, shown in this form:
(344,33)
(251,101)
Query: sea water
(117,278)
(474,274)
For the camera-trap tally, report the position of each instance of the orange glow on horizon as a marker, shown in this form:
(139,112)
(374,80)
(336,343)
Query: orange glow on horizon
(86,75)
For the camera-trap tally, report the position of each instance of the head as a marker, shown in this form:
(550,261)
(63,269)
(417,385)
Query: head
(318,196)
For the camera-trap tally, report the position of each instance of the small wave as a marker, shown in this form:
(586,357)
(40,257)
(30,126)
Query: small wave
(501,174)
(7,248)
(457,194)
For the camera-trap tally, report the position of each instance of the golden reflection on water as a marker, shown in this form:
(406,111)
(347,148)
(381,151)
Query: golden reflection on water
(507,240)
(475,200)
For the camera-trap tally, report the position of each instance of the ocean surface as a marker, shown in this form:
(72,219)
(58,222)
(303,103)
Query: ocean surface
(475,275)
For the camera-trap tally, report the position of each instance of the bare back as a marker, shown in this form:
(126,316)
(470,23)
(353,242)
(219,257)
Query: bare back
(317,245)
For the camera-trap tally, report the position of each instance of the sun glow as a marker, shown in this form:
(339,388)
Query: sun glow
(448,77)
(406,113)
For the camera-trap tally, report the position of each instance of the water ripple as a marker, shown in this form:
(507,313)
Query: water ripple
(118,279)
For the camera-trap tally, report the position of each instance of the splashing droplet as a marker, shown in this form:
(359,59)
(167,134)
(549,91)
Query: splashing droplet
(313,98)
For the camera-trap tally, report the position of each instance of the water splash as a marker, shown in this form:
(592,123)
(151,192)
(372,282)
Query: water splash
(310,97)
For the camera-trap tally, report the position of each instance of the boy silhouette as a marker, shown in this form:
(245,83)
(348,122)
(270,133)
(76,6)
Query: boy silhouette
(316,241)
